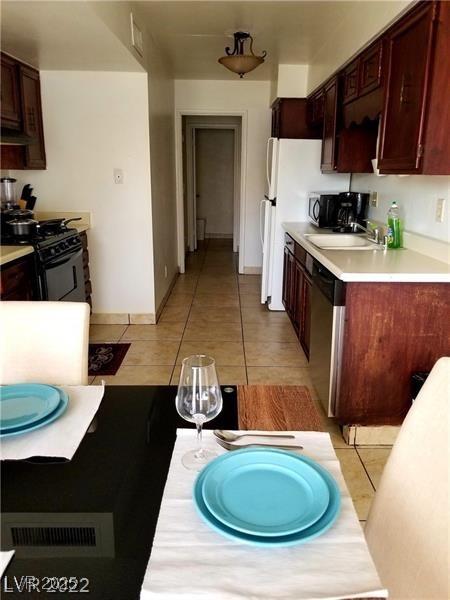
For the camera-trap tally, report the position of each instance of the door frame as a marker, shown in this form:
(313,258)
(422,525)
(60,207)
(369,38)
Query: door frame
(240,165)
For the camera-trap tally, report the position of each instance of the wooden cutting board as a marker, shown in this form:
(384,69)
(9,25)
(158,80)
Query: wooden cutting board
(278,408)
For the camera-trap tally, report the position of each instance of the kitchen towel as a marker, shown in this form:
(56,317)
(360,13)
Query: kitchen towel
(190,561)
(61,438)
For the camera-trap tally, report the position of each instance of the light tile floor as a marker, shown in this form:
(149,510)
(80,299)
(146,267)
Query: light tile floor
(214,310)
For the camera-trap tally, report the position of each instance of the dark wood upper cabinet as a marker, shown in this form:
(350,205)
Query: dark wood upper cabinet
(315,106)
(350,77)
(330,125)
(409,56)
(21,111)
(32,117)
(10,98)
(370,68)
(290,119)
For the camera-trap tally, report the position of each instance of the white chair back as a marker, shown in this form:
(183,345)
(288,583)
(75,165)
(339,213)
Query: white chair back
(408,524)
(44,342)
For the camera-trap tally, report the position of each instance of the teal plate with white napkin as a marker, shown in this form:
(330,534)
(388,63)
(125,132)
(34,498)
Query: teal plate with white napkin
(26,403)
(49,417)
(264,492)
(320,526)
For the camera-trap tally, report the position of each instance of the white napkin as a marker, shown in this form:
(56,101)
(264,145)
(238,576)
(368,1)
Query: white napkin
(61,438)
(5,557)
(190,560)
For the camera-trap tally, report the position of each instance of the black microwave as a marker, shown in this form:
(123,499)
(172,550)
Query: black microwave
(323,209)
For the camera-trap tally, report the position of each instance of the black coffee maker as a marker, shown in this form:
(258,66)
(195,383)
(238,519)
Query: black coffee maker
(352,207)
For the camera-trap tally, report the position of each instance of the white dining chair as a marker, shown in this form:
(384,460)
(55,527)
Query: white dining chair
(44,342)
(408,525)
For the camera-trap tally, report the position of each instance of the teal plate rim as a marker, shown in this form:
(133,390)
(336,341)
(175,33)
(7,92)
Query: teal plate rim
(311,532)
(60,409)
(34,389)
(310,476)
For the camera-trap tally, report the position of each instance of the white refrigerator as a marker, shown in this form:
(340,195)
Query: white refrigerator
(293,170)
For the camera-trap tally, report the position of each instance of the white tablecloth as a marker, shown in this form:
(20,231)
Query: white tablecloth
(5,558)
(189,560)
(61,438)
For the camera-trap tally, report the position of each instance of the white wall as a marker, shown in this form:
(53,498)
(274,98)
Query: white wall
(416,196)
(214,164)
(162,155)
(251,97)
(93,123)
(361,22)
(291,82)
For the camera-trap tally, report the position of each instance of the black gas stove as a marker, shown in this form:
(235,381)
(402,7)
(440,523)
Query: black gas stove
(58,263)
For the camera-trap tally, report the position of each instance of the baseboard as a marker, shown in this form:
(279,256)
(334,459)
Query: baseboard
(220,236)
(166,296)
(252,271)
(123,319)
(360,435)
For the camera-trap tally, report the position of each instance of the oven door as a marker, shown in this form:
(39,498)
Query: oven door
(62,278)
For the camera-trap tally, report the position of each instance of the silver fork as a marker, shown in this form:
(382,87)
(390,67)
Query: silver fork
(232,447)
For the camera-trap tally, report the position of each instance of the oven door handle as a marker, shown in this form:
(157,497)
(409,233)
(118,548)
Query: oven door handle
(63,261)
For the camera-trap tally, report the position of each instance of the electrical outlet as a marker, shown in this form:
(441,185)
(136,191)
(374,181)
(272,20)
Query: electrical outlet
(165,271)
(374,199)
(440,209)
(118,175)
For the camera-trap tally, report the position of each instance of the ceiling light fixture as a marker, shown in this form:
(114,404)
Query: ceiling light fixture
(236,60)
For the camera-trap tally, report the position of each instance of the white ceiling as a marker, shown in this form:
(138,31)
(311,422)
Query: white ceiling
(70,34)
(61,35)
(194,34)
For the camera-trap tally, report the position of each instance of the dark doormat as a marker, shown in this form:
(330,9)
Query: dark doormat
(105,359)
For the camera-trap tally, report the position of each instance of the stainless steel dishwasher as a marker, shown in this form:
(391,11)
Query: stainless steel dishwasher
(327,330)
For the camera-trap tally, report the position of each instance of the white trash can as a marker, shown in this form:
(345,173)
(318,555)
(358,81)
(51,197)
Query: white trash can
(201,226)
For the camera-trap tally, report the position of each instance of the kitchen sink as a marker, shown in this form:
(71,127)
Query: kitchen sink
(339,241)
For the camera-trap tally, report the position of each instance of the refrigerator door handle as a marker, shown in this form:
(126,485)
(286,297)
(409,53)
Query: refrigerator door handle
(267,163)
(261,222)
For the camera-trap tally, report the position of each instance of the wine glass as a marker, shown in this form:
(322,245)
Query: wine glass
(198,400)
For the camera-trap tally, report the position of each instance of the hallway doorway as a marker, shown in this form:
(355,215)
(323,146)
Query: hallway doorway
(214,184)
(211,182)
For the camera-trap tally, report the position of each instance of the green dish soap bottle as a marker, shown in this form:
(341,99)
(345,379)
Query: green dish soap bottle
(394,232)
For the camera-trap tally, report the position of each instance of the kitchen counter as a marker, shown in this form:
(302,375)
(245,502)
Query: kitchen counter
(10,253)
(400,265)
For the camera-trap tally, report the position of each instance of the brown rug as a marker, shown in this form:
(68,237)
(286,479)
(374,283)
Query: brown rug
(105,359)
(278,407)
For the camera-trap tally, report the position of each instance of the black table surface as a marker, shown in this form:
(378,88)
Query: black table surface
(93,519)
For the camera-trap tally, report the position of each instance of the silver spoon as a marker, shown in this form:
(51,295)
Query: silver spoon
(228,436)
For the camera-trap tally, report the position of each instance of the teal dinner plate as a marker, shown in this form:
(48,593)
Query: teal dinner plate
(63,401)
(26,403)
(264,493)
(318,528)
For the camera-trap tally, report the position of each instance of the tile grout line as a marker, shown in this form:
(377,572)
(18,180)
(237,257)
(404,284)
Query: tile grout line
(242,325)
(187,317)
(364,467)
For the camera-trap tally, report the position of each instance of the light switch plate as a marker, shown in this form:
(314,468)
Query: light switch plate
(374,199)
(118,175)
(440,208)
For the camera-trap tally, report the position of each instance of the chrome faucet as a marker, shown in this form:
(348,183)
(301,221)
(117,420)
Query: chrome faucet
(373,234)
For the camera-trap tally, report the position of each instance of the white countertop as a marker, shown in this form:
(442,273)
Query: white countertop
(401,265)
(10,253)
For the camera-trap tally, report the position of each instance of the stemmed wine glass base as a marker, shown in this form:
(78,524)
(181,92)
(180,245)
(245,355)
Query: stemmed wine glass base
(195,460)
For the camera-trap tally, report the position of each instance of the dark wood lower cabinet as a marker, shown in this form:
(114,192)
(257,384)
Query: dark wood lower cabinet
(297,292)
(391,331)
(17,279)
(86,271)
